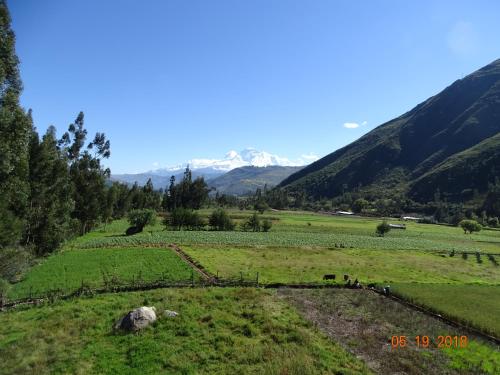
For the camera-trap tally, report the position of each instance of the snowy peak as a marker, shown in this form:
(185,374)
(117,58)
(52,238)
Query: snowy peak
(247,157)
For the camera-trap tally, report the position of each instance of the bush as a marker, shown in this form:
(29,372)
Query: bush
(493,222)
(266,225)
(220,220)
(251,224)
(470,226)
(359,205)
(383,228)
(4,288)
(182,218)
(141,218)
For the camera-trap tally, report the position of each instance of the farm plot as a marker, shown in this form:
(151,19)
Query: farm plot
(365,322)
(296,265)
(477,305)
(218,331)
(68,269)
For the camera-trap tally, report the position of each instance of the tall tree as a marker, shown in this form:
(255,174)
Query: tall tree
(15,131)
(50,200)
(87,173)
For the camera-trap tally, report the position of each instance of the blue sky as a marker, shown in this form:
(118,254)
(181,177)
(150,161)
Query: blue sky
(168,81)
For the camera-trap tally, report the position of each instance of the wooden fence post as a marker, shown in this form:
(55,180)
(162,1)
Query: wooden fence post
(257,281)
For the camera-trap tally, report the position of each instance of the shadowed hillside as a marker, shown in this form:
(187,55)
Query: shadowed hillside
(420,146)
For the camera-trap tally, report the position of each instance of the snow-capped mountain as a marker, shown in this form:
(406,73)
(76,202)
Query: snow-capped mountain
(212,168)
(247,157)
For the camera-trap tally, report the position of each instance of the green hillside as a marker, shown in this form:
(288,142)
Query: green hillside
(246,180)
(421,142)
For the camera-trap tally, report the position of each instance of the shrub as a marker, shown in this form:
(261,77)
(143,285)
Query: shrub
(383,228)
(141,218)
(251,224)
(470,226)
(266,225)
(493,222)
(359,205)
(4,288)
(220,220)
(182,218)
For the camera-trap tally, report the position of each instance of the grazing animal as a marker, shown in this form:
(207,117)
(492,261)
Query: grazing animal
(346,277)
(372,286)
(132,230)
(329,277)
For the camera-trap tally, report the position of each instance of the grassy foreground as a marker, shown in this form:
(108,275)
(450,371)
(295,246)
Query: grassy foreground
(218,331)
(478,305)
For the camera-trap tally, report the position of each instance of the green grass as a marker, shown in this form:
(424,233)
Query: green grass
(218,331)
(294,265)
(478,305)
(293,230)
(67,269)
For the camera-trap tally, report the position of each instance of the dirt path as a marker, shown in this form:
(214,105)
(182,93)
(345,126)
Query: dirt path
(193,264)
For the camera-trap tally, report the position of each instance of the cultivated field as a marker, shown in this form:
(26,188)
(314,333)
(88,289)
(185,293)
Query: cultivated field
(478,305)
(68,269)
(245,330)
(365,322)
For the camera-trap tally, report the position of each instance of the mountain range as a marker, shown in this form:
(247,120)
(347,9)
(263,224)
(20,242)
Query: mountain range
(236,174)
(449,144)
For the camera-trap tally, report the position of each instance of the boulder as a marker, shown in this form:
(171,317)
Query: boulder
(170,313)
(137,319)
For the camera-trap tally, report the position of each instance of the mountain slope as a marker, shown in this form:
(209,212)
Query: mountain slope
(246,180)
(398,153)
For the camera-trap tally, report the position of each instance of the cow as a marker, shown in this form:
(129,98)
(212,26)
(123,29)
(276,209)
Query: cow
(329,277)
(346,277)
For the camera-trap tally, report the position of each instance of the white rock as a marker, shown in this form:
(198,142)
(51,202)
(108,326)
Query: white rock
(170,313)
(137,319)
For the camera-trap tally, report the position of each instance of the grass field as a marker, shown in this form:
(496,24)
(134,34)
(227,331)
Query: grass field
(218,331)
(294,265)
(364,322)
(68,269)
(478,305)
(305,230)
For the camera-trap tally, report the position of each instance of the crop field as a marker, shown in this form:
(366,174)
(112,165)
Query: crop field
(218,331)
(478,305)
(306,230)
(67,270)
(365,322)
(295,265)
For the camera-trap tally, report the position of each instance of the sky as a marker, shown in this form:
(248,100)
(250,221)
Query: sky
(168,81)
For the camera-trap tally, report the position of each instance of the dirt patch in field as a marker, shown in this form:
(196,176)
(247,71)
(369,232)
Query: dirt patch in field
(364,322)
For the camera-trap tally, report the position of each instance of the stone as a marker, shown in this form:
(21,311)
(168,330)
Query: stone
(170,313)
(137,319)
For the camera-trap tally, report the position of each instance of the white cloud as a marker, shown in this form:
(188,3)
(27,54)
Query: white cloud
(351,125)
(462,39)
(156,164)
(364,123)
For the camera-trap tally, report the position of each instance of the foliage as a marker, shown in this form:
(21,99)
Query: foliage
(383,228)
(189,193)
(470,226)
(219,220)
(252,224)
(141,218)
(182,218)
(359,205)
(266,225)
(493,222)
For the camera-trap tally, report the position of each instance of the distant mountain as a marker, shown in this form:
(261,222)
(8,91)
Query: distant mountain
(449,142)
(212,168)
(245,180)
